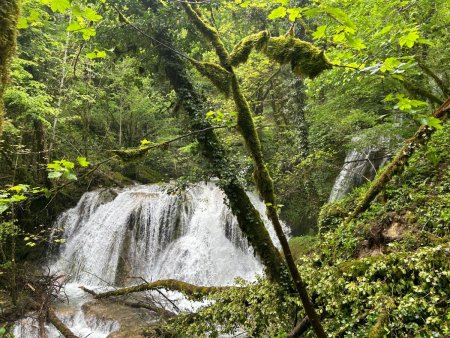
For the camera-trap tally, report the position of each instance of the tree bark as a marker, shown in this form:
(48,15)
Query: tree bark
(9,15)
(65,331)
(262,176)
(300,328)
(220,165)
(189,290)
(397,165)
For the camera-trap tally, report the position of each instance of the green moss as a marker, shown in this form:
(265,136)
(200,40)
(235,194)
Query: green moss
(305,59)
(218,75)
(209,31)
(9,15)
(242,50)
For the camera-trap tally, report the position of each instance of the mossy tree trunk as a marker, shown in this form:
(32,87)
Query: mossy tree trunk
(262,176)
(397,165)
(220,165)
(9,15)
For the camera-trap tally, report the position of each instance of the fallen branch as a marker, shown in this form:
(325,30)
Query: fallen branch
(189,290)
(419,139)
(65,331)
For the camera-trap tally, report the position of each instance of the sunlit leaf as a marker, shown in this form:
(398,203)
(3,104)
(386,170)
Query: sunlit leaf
(277,13)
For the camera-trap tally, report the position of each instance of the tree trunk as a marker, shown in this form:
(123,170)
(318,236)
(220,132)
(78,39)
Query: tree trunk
(9,15)
(248,217)
(262,176)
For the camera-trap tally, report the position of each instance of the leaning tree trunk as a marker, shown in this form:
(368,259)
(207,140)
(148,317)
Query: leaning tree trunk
(399,162)
(246,125)
(9,15)
(248,217)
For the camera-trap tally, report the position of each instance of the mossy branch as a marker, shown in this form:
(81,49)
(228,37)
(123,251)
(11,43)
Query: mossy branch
(189,290)
(305,59)
(130,154)
(242,50)
(397,165)
(208,31)
(218,75)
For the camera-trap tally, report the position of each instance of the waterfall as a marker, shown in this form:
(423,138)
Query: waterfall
(359,167)
(144,231)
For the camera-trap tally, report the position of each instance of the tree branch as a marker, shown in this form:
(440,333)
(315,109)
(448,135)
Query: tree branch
(189,290)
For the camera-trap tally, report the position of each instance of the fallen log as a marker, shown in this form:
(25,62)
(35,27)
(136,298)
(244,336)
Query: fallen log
(65,331)
(189,290)
(397,165)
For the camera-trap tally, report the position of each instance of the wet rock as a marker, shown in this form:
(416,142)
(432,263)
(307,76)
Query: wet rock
(131,320)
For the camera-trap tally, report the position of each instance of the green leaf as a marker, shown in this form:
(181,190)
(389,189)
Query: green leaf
(101,54)
(425,42)
(340,15)
(54,175)
(385,30)
(277,13)
(22,23)
(18,198)
(294,13)
(389,64)
(74,26)
(82,161)
(3,208)
(320,32)
(91,15)
(354,42)
(67,164)
(432,121)
(59,5)
(312,12)
(409,39)
(70,176)
(88,33)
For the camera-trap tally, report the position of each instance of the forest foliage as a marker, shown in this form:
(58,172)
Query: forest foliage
(292,87)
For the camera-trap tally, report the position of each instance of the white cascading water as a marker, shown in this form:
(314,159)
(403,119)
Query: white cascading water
(359,167)
(143,231)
